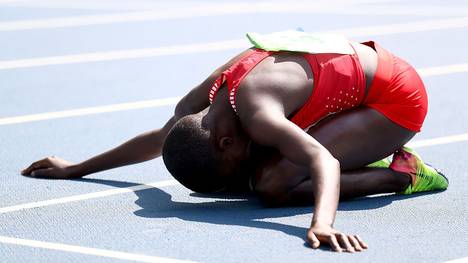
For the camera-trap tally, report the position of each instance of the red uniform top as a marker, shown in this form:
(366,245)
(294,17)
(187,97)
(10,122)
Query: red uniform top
(339,84)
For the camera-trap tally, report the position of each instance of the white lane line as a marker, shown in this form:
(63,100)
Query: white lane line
(458,260)
(123,54)
(443,70)
(419,26)
(91,5)
(75,198)
(88,250)
(153,5)
(90,111)
(213,9)
(425,72)
(234,8)
(10,1)
(408,27)
(221,9)
(439,140)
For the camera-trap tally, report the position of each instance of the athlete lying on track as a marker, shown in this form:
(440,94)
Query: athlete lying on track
(309,123)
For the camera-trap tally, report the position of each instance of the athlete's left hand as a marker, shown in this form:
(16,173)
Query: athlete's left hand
(322,233)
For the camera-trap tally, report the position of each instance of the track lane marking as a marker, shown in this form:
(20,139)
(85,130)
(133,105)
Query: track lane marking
(123,54)
(88,250)
(419,26)
(90,110)
(161,13)
(172,182)
(152,5)
(214,9)
(443,70)
(81,197)
(458,260)
(424,72)
(439,140)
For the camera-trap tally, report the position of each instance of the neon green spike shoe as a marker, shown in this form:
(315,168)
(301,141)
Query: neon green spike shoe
(384,163)
(423,176)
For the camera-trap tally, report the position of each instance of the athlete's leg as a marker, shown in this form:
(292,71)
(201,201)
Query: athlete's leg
(356,138)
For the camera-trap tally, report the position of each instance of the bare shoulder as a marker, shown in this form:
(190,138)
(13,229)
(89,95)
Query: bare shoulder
(282,81)
(196,99)
(280,70)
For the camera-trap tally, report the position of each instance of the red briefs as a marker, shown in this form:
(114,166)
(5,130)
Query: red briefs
(397,91)
(339,84)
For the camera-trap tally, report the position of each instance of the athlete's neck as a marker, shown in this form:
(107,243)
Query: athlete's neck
(221,119)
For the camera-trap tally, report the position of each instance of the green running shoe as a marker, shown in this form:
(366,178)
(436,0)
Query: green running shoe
(423,176)
(384,163)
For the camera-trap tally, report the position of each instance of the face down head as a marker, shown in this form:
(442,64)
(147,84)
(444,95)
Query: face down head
(202,159)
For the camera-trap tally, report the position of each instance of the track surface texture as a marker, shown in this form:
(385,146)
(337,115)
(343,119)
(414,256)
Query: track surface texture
(59,56)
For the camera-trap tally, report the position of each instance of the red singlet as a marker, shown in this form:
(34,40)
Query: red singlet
(339,84)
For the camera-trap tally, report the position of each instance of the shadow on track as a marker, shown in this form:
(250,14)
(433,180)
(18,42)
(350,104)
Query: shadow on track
(233,209)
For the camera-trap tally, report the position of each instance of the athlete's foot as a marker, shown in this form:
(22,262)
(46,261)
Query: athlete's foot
(423,176)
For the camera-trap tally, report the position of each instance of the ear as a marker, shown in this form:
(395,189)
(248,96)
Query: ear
(225,143)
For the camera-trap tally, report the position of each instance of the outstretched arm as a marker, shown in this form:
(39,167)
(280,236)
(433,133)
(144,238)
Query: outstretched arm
(143,147)
(266,126)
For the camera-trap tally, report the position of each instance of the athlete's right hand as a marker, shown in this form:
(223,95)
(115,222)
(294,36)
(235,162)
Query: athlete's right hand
(323,233)
(50,167)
